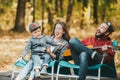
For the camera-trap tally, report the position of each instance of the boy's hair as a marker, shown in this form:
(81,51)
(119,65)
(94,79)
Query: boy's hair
(33,26)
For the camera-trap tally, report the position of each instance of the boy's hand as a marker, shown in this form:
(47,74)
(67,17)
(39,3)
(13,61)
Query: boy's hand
(19,59)
(60,44)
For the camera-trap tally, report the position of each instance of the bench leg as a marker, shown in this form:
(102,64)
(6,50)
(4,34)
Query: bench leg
(13,73)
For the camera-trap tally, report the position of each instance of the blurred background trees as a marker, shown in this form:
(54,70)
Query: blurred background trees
(81,16)
(16,15)
(20,16)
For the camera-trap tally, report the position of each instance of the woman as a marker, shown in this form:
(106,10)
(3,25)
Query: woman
(59,34)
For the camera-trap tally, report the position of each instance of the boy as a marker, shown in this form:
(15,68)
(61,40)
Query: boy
(37,44)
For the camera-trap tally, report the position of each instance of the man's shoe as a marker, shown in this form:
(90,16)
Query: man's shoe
(97,57)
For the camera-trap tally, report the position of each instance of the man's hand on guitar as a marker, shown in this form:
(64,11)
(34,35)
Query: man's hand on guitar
(104,48)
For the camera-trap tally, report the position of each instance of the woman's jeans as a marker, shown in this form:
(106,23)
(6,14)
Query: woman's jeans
(81,56)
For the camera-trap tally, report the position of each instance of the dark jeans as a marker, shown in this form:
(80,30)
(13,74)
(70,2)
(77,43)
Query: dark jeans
(81,56)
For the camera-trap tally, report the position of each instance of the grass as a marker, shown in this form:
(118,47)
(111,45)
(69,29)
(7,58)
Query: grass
(11,48)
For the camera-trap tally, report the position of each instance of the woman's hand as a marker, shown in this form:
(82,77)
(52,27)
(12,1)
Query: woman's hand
(60,44)
(50,53)
(48,50)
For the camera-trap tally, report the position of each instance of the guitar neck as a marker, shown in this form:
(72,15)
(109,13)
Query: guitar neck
(115,47)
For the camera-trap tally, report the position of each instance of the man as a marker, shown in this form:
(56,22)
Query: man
(84,56)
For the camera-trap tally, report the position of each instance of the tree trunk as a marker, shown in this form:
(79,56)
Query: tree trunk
(103,12)
(79,0)
(43,5)
(61,7)
(56,6)
(69,11)
(85,5)
(20,17)
(95,11)
(50,15)
(33,10)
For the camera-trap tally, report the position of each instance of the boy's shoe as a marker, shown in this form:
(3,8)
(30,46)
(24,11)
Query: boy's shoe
(37,74)
(43,71)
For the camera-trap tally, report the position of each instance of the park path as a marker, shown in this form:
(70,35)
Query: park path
(7,75)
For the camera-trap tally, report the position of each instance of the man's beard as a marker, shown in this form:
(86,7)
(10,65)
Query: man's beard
(100,36)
